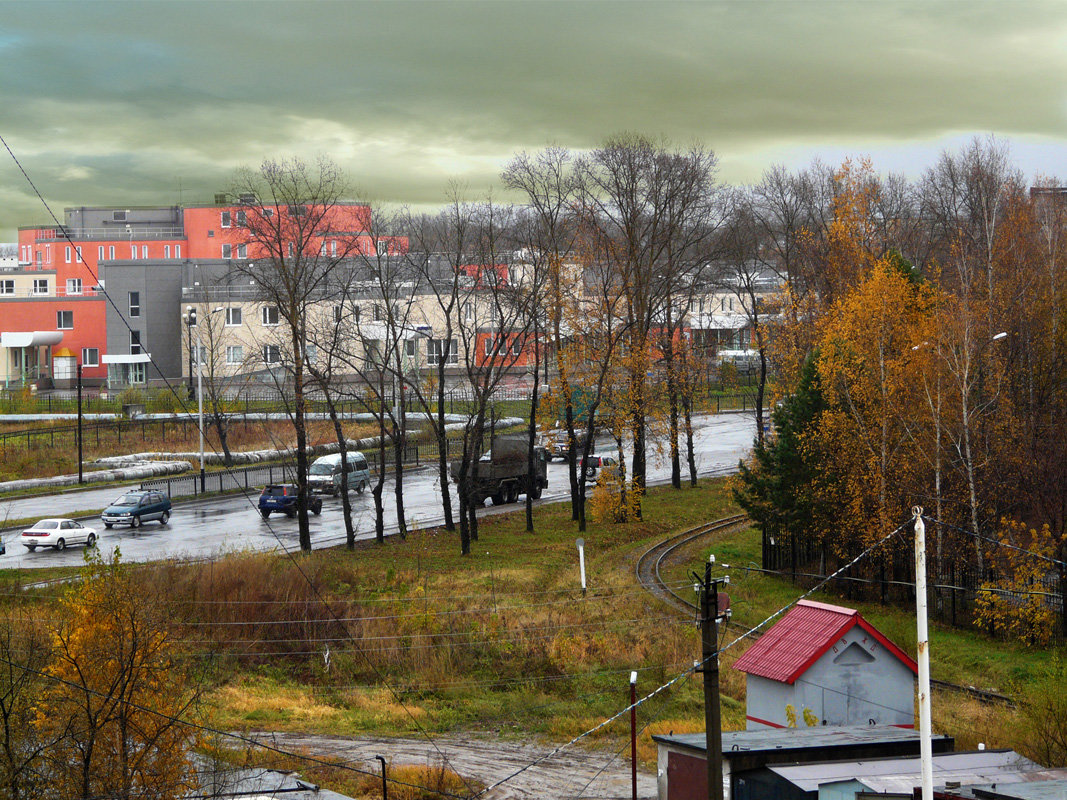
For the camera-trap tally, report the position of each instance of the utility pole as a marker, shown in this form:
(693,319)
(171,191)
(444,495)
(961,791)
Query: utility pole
(709,639)
(81,474)
(925,744)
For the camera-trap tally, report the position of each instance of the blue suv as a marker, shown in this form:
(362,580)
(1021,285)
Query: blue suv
(283,497)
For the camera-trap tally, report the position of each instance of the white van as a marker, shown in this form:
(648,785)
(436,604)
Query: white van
(324,477)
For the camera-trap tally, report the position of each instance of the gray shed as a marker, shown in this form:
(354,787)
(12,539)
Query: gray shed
(682,758)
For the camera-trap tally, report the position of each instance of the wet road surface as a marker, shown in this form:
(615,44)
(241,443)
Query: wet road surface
(206,529)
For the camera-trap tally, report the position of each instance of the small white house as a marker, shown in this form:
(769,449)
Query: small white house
(829,661)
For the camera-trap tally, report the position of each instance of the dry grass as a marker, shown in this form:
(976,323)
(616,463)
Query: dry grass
(58,455)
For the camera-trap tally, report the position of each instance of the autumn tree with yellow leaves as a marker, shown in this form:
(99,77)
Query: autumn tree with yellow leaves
(116,697)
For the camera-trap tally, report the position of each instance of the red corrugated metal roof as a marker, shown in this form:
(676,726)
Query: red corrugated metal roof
(799,638)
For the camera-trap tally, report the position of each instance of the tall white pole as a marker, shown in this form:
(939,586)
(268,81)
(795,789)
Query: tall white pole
(925,742)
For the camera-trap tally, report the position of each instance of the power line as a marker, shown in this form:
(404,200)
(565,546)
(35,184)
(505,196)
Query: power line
(698,664)
(207,729)
(167,382)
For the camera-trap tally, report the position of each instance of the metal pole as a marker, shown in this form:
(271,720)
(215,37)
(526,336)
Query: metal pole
(633,732)
(200,402)
(385,788)
(925,744)
(81,476)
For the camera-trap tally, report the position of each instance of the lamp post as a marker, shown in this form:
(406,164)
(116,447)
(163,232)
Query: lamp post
(190,320)
(81,476)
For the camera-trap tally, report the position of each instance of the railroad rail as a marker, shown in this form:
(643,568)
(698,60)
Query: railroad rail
(648,575)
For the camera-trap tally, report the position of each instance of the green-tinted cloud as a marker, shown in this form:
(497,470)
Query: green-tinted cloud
(122,101)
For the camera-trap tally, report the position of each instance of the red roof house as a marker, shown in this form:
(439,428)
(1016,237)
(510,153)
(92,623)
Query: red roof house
(827,660)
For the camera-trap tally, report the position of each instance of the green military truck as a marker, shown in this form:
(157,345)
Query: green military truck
(502,473)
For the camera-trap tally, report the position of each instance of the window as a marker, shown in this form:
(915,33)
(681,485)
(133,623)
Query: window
(137,373)
(379,313)
(233,316)
(333,247)
(135,343)
(383,247)
(118,216)
(133,251)
(468,311)
(225,219)
(199,354)
(271,354)
(65,320)
(68,254)
(235,354)
(7,286)
(135,304)
(242,251)
(269,315)
(78,255)
(111,251)
(177,251)
(338,313)
(311,354)
(411,348)
(242,219)
(227,251)
(488,345)
(291,250)
(144,251)
(441,350)
(74,285)
(297,211)
(40,286)
(38,257)
(90,357)
(99,252)
(166,251)
(516,346)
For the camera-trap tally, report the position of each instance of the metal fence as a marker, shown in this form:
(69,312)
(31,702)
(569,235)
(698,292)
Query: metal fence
(953,594)
(237,479)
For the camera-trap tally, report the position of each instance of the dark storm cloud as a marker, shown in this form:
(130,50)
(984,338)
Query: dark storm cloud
(123,101)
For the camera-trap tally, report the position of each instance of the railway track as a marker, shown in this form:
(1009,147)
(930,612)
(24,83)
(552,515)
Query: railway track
(648,575)
(650,562)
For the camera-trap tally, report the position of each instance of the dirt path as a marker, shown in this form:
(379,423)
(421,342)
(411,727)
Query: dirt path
(573,773)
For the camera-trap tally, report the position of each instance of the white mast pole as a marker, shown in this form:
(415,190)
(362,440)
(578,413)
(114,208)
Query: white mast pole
(925,741)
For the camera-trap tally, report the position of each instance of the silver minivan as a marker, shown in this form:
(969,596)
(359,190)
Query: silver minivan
(324,477)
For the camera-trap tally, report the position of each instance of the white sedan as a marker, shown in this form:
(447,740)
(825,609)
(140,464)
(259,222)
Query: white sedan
(57,534)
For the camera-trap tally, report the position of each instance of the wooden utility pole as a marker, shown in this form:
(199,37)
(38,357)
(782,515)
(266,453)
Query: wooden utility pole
(709,637)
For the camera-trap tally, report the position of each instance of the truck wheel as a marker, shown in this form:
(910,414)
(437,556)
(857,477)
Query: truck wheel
(535,493)
(513,494)
(498,499)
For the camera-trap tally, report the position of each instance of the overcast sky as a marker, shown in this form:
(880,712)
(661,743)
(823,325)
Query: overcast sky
(153,102)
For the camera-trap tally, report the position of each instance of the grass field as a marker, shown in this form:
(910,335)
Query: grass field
(411,636)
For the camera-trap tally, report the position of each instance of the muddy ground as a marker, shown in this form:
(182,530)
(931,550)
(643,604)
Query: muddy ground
(572,773)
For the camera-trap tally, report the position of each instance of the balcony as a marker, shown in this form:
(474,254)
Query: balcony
(116,233)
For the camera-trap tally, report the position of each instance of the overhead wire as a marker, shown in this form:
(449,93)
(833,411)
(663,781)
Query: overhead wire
(286,550)
(675,680)
(252,741)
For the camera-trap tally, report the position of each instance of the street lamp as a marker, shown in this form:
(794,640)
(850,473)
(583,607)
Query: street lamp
(190,320)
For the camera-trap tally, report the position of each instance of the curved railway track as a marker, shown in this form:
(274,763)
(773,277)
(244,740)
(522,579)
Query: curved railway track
(650,562)
(648,575)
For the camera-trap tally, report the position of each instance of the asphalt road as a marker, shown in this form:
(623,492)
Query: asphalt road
(206,529)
